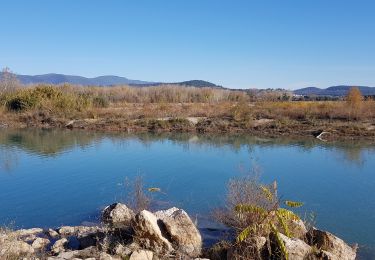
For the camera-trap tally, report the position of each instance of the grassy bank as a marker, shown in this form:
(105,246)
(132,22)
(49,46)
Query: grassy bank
(182,109)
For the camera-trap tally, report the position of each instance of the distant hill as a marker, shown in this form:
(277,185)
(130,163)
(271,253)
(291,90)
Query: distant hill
(78,80)
(110,80)
(335,91)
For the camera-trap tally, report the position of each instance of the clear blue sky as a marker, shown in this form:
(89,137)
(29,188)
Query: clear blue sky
(288,44)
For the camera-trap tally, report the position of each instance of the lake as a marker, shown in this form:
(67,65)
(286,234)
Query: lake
(50,178)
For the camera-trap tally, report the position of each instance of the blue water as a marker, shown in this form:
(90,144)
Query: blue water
(53,178)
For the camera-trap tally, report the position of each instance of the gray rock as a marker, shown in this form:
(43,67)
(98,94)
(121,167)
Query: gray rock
(40,243)
(142,255)
(148,233)
(87,253)
(125,250)
(296,248)
(52,233)
(27,232)
(184,234)
(105,256)
(27,235)
(332,244)
(67,231)
(118,215)
(59,246)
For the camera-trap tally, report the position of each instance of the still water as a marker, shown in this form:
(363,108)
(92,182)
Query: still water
(53,178)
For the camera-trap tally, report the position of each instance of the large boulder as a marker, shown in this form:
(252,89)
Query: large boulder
(118,215)
(59,246)
(148,233)
(27,235)
(141,255)
(40,243)
(52,233)
(183,233)
(333,245)
(15,249)
(296,248)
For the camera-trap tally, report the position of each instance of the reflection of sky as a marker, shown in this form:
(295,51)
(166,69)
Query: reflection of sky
(72,185)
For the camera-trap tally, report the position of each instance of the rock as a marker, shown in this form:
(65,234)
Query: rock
(40,243)
(105,256)
(67,255)
(149,234)
(118,215)
(125,251)
(15,249)
(141,255)
(89,239)
(87,253)
(331,244)
(52,233)
(67,231)
(27,232)
(3,125)
(184,234)
(27,235)
(259,242)
(70,124)
(297,228)
(59,246)
(296,248)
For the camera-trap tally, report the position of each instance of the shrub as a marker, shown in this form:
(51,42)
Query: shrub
(254,210)
(21,102)
(100,102)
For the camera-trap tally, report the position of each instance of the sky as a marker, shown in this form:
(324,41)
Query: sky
(235,43)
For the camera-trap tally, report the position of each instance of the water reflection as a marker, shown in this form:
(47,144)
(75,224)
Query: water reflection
(79,172)
(8,159)
(51,143)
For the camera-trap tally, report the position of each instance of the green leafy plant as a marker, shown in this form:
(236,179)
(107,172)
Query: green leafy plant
(268,220)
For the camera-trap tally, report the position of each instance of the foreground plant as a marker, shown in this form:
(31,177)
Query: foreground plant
(255,213)
(272,221)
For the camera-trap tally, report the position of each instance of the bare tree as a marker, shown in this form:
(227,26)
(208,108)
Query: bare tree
(8,81)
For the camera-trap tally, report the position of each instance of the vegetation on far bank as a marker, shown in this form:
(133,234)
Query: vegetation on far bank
(171,108)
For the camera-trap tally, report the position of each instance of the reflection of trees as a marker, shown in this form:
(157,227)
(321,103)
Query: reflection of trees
(8,159)
(352,154)
(53,142)
(44,142)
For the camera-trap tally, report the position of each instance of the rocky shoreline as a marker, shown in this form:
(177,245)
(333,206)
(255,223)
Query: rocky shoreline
(164,234)
(322,129)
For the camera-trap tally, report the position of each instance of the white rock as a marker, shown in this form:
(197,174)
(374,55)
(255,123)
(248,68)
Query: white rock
(40,243)
(148,233)
(184,234)
(59,246)
(141,255)
(118,215)
(297,249)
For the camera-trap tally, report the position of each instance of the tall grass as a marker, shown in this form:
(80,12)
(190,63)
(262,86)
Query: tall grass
(173,101)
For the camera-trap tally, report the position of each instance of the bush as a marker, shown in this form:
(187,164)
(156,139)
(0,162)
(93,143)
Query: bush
(254,210)
(21,103)
(100,102)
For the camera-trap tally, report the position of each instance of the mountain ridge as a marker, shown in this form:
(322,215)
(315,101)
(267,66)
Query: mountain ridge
(336,91)
(106,80)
